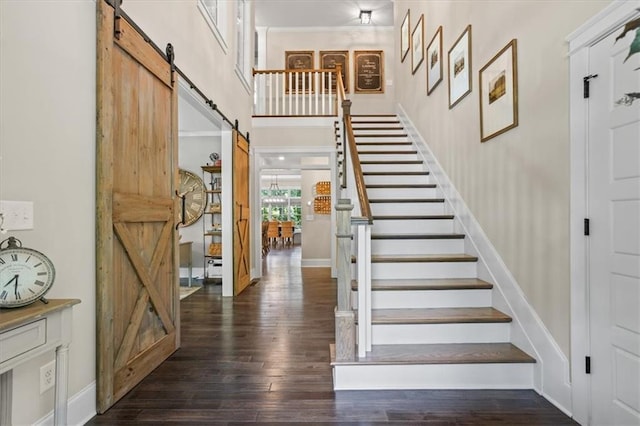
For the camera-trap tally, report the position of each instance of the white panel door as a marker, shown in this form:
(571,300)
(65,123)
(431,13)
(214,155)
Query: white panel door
(614,244)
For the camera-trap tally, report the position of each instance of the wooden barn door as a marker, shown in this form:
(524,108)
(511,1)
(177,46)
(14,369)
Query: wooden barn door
(241,211)
(137,284)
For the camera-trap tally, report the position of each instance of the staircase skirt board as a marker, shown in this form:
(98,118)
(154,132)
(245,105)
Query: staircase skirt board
(406,334)
(433,376)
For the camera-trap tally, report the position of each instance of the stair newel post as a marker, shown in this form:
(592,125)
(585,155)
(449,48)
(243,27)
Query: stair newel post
(344,315)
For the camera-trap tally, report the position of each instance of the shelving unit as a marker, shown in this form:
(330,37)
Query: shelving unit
(212,223)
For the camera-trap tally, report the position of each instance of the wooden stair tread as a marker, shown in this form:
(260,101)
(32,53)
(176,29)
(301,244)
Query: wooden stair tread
(415,217)
(422,258)
(417,236)
(381,135)
(402,185)
(442,353)
(406,200)
(438,316)
(384,143)
(397,173)
(427,284)
(391,162)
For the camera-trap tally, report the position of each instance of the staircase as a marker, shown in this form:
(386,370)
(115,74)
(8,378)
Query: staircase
(433,324)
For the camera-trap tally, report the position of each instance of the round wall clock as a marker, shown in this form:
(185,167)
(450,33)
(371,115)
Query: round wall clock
(192,188)
(25,274)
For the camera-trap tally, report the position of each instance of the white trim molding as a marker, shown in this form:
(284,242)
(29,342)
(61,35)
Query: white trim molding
(551,371)
(580,41)
(82,408)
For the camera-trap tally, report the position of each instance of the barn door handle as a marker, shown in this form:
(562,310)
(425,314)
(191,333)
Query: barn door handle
(184,209)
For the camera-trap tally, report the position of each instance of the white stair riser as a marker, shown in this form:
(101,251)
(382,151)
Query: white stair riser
(408,334)
(434,246)
(426,270)
(397,179)
(433,376)
(381,139)
(392,209)
(392,167)
(388,157)
(411,226)
(415,299)
(385,147)
(404,193)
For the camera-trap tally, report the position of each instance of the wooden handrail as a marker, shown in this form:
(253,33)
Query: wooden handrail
(365,208)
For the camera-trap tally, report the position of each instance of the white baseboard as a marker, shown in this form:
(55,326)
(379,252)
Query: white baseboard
(315,263)
(551,372)
(81,409)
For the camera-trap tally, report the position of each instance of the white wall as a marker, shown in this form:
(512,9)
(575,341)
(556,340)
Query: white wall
(279,40)
(47,144)
(47,149)
(517,184)
(317,234)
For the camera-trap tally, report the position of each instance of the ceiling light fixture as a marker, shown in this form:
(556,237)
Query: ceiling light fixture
(365,16)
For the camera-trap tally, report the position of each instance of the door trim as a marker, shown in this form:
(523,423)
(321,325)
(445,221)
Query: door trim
(580,41)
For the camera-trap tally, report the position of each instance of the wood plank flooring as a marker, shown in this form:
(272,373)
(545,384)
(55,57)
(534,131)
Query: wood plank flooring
(263,357)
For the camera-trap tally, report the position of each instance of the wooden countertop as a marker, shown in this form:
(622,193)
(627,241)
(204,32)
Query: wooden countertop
(12,317)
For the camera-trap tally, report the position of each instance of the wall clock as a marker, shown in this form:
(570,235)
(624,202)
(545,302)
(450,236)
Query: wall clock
(25,274)
(192,189)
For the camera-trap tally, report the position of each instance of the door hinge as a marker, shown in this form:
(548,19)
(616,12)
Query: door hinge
(587,364)
(586,226)
(585,85)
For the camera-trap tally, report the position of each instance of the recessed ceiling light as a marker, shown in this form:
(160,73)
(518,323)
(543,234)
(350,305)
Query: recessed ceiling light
(281,158)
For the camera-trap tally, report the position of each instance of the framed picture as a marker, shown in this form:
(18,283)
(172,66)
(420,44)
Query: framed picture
(499,93)
(460,68)
(434,61)
(330,59)
(405,41)
(369,71)
(417,45)
(299,60)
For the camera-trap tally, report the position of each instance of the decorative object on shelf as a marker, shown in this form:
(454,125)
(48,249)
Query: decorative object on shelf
(215,249)
(215,158)
(369,71)
(434,61)
(417,45)
(460,68)
(405,40)
(192,191)
(499,93)
(26,275)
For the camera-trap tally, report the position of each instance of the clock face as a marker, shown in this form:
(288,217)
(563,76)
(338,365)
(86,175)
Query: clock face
(195,200)
(25,276)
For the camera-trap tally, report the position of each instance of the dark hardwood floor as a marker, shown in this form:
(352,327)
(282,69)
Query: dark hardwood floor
(263,357)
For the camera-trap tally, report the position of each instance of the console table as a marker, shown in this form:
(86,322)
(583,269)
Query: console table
(31,331)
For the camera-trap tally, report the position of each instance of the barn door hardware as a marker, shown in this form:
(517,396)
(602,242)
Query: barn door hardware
(171,55)
(117,31)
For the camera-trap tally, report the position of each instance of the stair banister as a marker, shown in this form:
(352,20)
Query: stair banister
(352,169)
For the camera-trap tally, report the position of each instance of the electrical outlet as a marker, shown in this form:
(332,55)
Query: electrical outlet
(47,376)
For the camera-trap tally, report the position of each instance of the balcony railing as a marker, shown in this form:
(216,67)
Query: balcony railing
(295,93)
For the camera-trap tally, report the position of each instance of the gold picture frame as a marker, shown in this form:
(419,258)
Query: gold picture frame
(368,66)
(329,59)
(405,36)
(417,45)
(498,81)
(434,61)
(460,68)
(299,60)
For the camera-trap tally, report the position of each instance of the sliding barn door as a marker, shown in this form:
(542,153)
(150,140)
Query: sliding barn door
(137,284)
(241,219)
